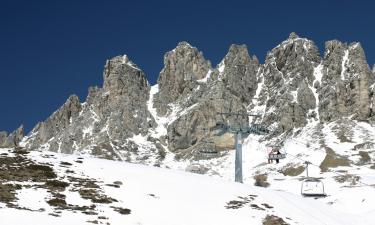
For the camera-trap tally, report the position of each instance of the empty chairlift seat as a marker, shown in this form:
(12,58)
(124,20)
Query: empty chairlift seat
(312,187)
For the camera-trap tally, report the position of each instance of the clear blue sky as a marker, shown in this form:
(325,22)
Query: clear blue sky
(51,49)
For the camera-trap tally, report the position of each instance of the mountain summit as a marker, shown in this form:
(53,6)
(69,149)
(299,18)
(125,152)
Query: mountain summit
(127,119)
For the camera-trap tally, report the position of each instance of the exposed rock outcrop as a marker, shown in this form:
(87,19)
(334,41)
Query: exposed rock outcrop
(105,122)
(183,66)
(295,87)
(345,82)
(288,79)
(239,73)
(11,140)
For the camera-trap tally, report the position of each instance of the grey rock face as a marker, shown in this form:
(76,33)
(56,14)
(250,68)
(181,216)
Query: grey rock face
(196,125)
(345,82)
(293,88)
(230,88)
(11,140)
(288,76)
(104,123)
(56,123)
(183,66)
(239,73)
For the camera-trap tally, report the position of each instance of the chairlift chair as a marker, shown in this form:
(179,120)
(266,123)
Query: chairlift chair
(311,186)
(208,149)
(276,156)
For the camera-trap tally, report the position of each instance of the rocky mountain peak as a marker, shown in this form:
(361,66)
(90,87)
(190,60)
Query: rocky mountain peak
(111,114)
(238,72)
(237,54)
(334,48)
(13,139)
(120,72)
(345,81)
(183,44)
(183,66)
(57,122)
(293,35)
(287,97)
(127,119)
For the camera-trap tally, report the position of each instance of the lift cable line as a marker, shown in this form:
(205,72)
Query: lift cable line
(240,132)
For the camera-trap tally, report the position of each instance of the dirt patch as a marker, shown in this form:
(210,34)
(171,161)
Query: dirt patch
(21,151)
(41,172)
(257,207)
(343,138)
(240,202)
(19,168)
(95,196)
(89,189)
(365,157)
(267,206)
(364,146)
(274,220)
(57,202)
(8,193)
(113,185)
(261,180)
(66,164)
(352,179)
(56,185)
(120,210)
(116,184)
(333,160)
(290,170)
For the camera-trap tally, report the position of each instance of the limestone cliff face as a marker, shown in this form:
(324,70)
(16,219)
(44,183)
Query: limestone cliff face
(238,71)
(287,85)
(345,82)
(183,66)
(227,88)
(11,140)
(130,120)
(104,123)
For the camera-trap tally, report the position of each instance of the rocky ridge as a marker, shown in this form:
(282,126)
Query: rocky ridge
(11,140)
(127,119)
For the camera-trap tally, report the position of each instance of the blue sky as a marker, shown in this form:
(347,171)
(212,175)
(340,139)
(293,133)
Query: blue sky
(52,49)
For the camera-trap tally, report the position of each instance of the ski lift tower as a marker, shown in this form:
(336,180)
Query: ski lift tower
(241,132)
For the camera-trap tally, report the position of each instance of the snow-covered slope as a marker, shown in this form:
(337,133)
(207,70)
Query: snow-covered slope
(149,195)
(319,109)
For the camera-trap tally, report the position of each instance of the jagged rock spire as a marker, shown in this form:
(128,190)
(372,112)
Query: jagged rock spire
(183,66)
(13,139)
(293,35)
(238,71)
(293,88)
(345,81)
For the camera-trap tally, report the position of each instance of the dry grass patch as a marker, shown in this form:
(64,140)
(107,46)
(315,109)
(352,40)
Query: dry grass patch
(333,160)
(292,171)
(261,180)
(274,220)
